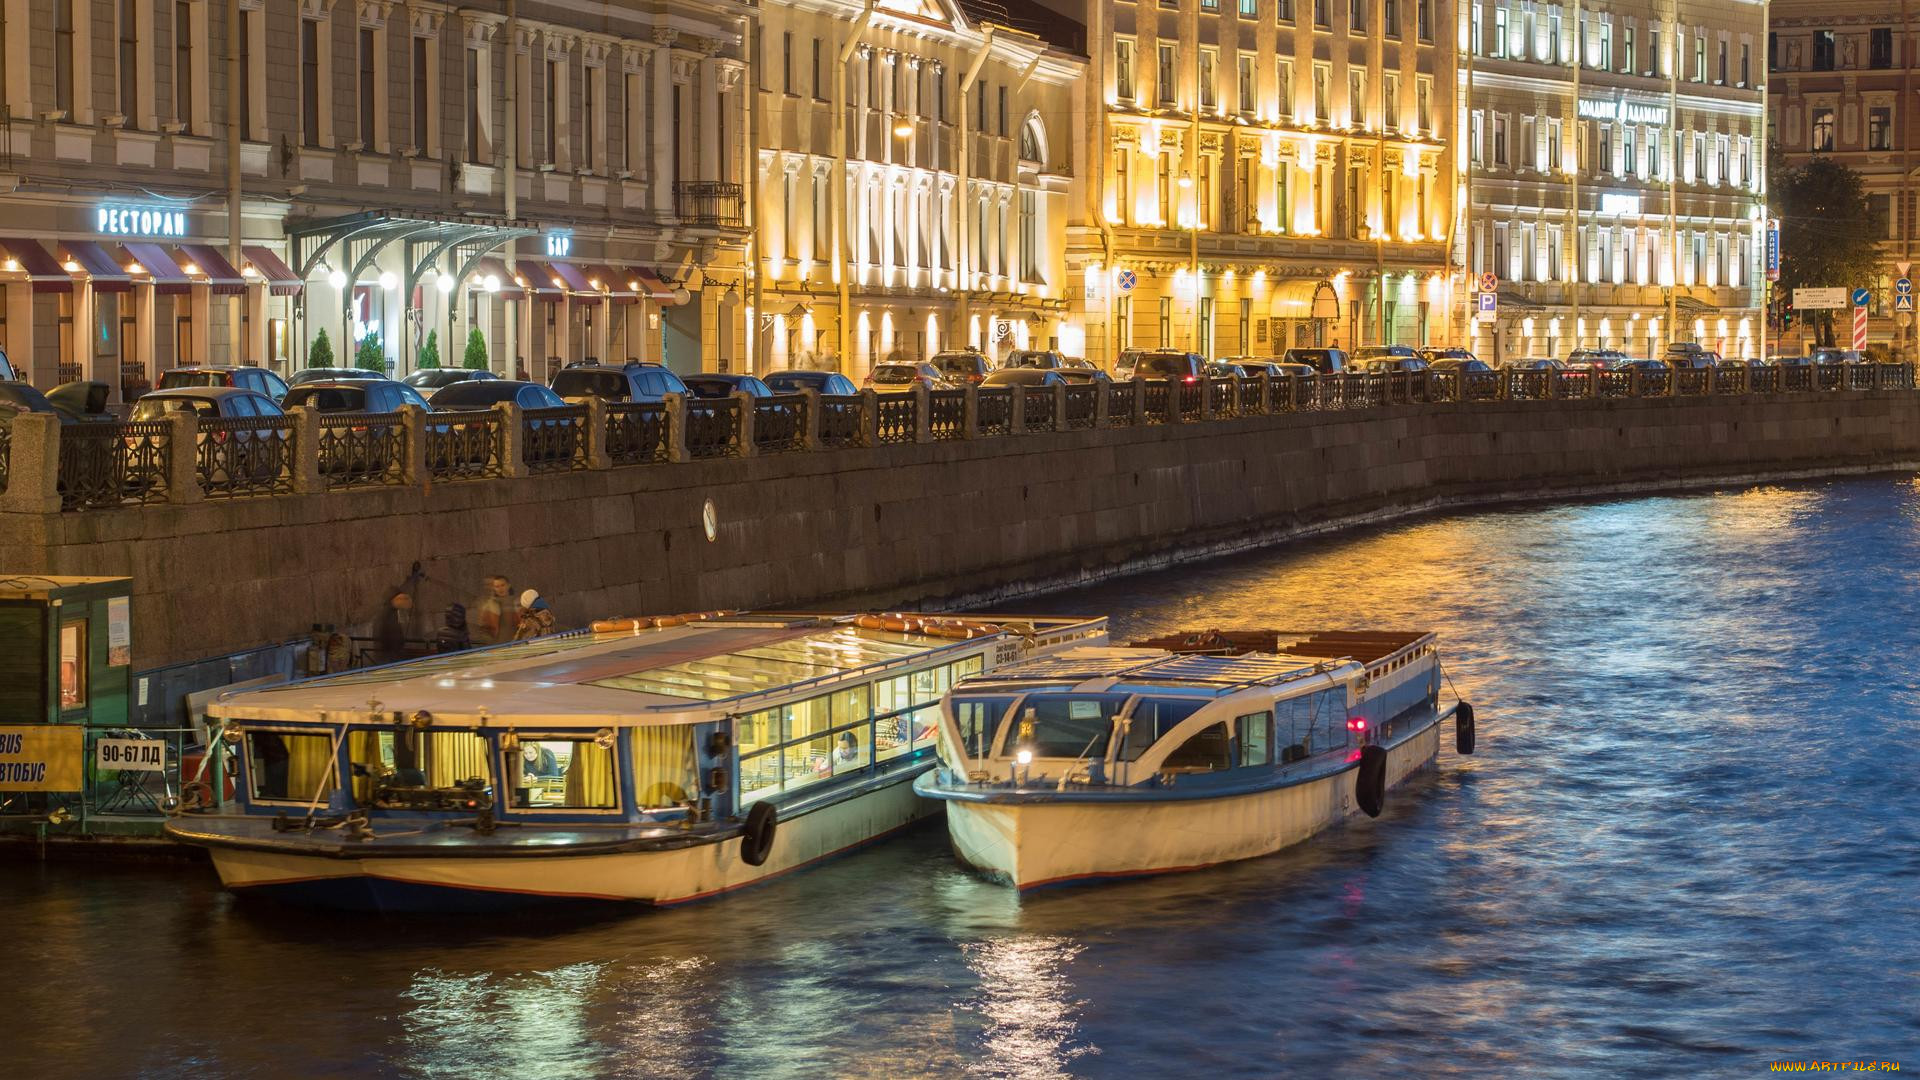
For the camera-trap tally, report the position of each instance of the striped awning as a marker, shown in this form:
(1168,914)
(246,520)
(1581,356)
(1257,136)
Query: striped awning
(43,271)
(103,270)
(280,279)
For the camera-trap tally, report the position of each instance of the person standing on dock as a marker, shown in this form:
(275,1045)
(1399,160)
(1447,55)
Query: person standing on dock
(494,614)
(535,617)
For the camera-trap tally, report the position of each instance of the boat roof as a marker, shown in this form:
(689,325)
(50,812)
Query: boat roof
(720,665)
(1210,663)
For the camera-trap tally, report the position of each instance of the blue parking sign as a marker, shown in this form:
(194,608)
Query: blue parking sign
(1861,298)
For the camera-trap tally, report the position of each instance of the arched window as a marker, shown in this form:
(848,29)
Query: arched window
(1033,142)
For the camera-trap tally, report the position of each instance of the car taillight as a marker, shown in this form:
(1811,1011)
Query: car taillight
(1191,379)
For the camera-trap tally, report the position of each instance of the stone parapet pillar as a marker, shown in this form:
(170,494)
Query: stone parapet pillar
(598,456)
(413,447)
(183,457)
(513,434)
(743,403)
(922,414)
(810,423)
(676,415)
(306,451)
(33,477)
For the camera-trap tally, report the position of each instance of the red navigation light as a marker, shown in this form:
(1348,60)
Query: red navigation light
(1356,723)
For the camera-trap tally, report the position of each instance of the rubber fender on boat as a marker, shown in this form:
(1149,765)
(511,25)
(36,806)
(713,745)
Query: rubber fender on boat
(1463,728)
(1370,782)
(756,836)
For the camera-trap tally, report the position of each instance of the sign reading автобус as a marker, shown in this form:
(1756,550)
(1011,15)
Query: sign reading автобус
(41,757)
(1816,299)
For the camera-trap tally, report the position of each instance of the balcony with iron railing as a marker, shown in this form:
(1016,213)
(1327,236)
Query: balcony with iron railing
(709,204)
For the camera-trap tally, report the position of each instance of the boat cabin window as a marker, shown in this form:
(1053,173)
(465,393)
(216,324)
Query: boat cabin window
(1311,723)
(978,718)
(1204,751)
(1066,725)
(1256,738)
(1153,718)
(907,707)
(562,774)
(804,742)
(663,766)
(405,758)
(289,767)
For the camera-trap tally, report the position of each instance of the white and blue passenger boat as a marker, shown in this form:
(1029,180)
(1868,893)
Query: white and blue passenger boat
(650,760)
(1182,752)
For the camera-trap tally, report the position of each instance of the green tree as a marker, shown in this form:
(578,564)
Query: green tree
(430,352)
(320,353)
(1827,233)
(370,357)
(476,358)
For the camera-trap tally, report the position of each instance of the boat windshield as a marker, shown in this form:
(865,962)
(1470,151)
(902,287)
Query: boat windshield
(1067,725)
(1154,717)
(978,718)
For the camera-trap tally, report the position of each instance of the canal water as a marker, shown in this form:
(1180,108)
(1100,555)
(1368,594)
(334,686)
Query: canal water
(1688,845)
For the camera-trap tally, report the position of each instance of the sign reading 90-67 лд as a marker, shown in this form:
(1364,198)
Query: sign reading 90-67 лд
(131,755)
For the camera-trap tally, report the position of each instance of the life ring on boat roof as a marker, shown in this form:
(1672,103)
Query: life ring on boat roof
(1370,782)
(756,836)
(1463,730)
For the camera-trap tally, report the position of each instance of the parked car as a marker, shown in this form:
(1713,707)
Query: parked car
(828,383)
(7,372)
(1459,365)
(1023,377)
(1446,352)
(1036,358)
(710,384)
(1535,363)
(1160,364)
(435,378)
(1368,354)
(1595,359)
(903,377)
(961,366)
(1387,364)
(485,393)
(1827,355)
(1082,375)
(1736,364)
(328,374)
(209,402)
(1790,361)
(632,381)
(257,379)
(1220,369)
(1324,361)
(354,396)
(1645,367)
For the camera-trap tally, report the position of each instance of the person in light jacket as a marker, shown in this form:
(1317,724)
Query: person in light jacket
(536,618)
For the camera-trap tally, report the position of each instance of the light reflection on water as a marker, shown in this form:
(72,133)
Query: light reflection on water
(1688,845)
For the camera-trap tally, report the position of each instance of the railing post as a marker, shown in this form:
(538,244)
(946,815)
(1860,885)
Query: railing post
(33,477)
(810,423)
(1176,409)
(1207,385)
(743,406)
(1633,382)
(306,451)
(513,433)
(413,447)
(183,458)
(675,409)
(970,413)
(1016,410)
(869,418)
(1139,402)
(1266,392)
(598,456)
(1060,407)
(922,414)
(1101,404)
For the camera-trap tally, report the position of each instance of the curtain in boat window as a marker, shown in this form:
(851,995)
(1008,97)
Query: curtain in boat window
(310,767)
(590,778)
(663,765)
(363,750)
(453,756)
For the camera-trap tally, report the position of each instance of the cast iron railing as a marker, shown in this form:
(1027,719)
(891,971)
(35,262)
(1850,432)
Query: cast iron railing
(362,449)
(780,423)
(245,455)
(636,432)
(713,427)
(465,445)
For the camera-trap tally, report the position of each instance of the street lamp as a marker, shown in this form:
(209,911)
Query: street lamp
(336,279)
(903,130)
(389,281)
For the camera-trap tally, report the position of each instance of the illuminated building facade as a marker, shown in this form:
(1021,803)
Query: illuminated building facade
(1620,202)
(1264,174)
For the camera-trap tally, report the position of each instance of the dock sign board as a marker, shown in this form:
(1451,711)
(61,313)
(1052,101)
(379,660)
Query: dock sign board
(1819,299)
(130,755)
(41,757)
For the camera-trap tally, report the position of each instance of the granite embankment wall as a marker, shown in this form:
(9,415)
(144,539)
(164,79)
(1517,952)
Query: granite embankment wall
(897,525)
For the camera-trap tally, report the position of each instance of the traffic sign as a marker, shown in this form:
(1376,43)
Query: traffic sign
(1903,302)
(1903,287)
(1861,298)
(1489,282)
(1488,302)
(1126,280)
(1810,299)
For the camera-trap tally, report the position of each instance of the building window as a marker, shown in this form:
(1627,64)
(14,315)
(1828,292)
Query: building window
(1166,74)
(420,94)
(1283,11)
(1209,95)
(1629,140)
(1123,186)
(1166,322)
(1249,9)
(1880,47)
(1390,18)
(1499,139)
(1322,93)
(1879,125)
(1423,11)
(1500,33)
(1244,96)
(1722,80)
(1626,49)
(310,82)
(1123,70)
(1357,16)
(476,125)
(1002,107)
(1746,65)
(1390,101)
(1423,103)
(182,64)
(1823,50)
(1823,129)
(1283,88)
(63,57)
(553,90)
(1322,17)
(1699,58)
(1357,97)
(1476,133)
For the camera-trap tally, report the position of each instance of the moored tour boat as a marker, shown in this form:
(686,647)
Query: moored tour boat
(650,760)
(1182,752)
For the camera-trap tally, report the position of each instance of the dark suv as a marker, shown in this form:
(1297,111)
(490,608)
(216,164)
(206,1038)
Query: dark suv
(633,381)
(1324,361)
(962,366)
(1161,364)
(259,380)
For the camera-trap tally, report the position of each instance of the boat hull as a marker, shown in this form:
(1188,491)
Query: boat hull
(1036,844)
(662,877)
